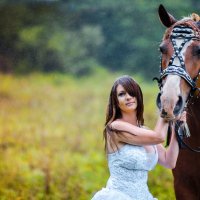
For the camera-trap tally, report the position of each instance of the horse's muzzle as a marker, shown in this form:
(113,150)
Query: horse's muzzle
(164,113)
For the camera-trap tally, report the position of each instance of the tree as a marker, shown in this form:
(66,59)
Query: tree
(75,36)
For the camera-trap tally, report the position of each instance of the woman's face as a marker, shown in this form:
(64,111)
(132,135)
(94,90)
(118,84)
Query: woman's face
(126,102)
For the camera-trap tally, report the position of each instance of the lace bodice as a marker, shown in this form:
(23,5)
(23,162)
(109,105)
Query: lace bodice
(129,174)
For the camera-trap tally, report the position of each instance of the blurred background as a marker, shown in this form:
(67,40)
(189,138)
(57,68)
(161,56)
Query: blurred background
(58,61)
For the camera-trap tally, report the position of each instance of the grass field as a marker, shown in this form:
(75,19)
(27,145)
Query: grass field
(51,144)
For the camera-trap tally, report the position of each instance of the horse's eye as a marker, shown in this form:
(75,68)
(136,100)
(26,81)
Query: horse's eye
(163,49)
(196,50)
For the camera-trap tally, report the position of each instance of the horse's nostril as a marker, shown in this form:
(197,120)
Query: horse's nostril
(158,101)
(164,113)
(178,106)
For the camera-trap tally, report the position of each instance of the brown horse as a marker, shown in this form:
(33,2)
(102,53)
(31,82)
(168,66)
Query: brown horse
(179,85)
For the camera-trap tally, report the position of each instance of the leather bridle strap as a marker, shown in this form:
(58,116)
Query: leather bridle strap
(187,34)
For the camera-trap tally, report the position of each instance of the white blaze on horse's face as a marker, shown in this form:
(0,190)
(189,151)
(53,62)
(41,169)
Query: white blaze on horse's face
(170,93)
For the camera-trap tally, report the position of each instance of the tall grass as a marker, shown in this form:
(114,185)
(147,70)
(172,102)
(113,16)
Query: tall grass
(51,144)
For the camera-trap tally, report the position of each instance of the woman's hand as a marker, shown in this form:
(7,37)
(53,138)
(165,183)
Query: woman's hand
(182,117)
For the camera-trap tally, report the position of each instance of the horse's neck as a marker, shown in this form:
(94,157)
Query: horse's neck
(194,110)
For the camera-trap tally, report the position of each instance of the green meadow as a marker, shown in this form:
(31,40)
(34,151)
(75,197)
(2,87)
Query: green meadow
(51,144)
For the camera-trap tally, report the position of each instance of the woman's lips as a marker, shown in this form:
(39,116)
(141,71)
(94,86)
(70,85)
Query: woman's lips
(130,103)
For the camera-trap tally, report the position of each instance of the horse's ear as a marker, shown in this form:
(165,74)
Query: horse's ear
(166,19)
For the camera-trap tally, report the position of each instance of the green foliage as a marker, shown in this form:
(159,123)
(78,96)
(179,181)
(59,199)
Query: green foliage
(30,35)
(76,36)
(51,144)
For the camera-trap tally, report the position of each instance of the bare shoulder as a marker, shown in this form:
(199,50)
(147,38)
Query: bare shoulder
(116,123)
(119,122)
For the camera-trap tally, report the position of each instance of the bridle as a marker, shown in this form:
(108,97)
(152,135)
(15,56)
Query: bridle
(187,33)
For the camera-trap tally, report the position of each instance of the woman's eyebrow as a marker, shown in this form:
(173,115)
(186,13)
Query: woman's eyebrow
(121,91)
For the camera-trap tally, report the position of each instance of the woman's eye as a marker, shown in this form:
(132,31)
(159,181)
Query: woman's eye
(121,94)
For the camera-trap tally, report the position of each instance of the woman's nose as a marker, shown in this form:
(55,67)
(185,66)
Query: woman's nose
(128,96)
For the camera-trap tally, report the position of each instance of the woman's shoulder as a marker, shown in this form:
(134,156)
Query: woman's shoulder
(111,126)
(122,123)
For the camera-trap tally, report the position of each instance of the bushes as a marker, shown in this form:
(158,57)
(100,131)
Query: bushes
(51,143)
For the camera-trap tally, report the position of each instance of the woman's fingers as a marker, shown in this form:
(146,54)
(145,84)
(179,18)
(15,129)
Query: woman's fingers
(183,116)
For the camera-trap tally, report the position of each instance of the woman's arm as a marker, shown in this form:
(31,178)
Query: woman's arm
(168,157)
(131,134)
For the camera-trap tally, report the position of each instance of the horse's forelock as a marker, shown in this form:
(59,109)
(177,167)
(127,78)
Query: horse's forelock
(195,17)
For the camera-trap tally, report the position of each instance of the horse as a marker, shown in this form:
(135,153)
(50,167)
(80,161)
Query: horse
(179,84)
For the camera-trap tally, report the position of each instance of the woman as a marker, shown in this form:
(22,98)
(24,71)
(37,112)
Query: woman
(131,148)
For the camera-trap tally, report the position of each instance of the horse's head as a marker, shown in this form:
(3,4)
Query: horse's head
(180,62)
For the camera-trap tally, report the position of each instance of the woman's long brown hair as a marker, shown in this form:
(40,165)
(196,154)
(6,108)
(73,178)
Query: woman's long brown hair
(113,110)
